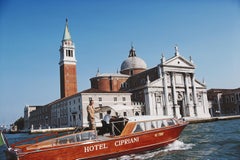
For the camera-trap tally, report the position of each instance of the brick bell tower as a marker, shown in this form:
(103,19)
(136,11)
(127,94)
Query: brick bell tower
(67,63)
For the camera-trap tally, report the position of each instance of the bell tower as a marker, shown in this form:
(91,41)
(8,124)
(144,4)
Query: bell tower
(67,63)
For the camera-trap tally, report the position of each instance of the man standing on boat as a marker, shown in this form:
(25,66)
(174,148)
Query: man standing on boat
(91,117)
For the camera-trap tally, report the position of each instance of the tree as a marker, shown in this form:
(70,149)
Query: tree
(19,123)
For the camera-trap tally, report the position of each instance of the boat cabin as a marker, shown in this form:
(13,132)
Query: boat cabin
(147,123)
(125,126)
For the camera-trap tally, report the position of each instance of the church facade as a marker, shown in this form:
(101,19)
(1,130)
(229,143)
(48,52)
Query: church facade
(176,92)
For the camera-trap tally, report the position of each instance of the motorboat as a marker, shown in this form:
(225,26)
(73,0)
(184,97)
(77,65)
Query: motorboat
(128,135)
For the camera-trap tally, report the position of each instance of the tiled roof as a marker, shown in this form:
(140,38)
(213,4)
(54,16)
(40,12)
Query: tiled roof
(93,90)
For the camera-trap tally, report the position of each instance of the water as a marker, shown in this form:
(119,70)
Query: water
(218,140)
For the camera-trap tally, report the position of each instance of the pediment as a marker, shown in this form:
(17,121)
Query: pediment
(199,84)
(179,61)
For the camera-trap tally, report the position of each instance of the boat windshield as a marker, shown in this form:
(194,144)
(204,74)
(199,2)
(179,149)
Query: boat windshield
(154,124)
(118,125)
(78,137)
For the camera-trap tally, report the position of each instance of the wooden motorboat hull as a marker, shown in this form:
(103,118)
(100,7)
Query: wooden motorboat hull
(102,149)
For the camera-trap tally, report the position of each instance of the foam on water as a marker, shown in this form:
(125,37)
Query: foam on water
(178,145)
(175,146)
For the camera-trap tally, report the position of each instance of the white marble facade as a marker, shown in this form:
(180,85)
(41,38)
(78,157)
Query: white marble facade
(177,92)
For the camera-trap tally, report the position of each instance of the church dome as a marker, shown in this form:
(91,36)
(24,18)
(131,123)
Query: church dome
(133,63)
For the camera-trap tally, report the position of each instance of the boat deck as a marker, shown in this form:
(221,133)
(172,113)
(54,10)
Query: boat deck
(104,137)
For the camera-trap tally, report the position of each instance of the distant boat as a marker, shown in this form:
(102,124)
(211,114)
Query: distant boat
(129,135)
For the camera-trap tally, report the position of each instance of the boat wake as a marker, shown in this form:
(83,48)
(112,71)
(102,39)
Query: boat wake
(175,146)
(178,145)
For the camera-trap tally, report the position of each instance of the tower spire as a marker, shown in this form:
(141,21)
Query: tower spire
(66,34)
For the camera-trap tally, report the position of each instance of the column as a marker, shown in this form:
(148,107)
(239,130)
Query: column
(205,105)
(165,93)
(194,95)
(149,102)
(176,111)
(219,103)
(153,104)
(187,96)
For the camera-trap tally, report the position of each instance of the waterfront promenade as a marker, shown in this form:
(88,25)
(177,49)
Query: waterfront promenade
(211,119)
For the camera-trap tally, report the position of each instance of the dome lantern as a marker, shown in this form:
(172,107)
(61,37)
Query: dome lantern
(133,64)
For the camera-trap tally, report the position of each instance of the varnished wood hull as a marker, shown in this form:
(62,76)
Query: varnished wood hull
(102,149)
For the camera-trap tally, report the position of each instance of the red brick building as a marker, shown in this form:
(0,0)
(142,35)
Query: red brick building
(108,82)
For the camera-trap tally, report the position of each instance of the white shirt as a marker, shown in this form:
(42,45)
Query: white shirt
(107,118)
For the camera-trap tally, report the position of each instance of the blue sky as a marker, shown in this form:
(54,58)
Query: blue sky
(103,30)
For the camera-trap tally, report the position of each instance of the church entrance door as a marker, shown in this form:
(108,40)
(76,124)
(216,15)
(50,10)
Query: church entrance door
(180,104)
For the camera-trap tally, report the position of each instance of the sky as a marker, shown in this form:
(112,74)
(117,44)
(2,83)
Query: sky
(103,31)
